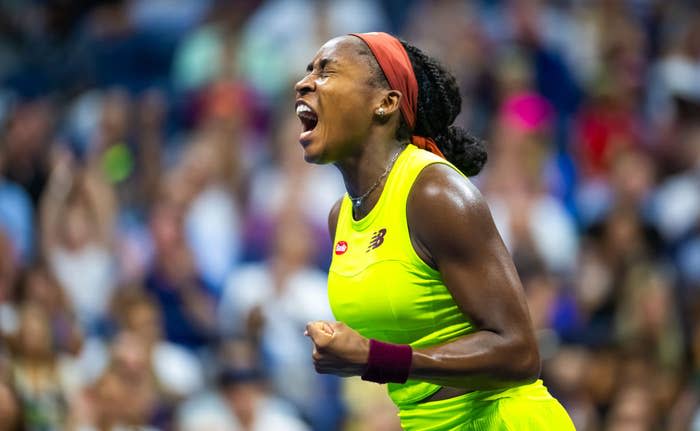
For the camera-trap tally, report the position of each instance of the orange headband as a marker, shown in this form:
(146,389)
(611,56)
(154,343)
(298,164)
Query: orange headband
(394,62)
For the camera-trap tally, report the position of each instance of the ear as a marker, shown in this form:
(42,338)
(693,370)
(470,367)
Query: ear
(388,105)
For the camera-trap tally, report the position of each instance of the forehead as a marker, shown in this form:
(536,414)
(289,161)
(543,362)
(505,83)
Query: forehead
(343,50)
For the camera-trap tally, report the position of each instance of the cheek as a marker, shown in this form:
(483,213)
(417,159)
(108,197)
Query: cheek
(348,119)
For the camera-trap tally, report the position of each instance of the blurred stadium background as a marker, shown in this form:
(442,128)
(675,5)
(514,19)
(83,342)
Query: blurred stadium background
(162,242)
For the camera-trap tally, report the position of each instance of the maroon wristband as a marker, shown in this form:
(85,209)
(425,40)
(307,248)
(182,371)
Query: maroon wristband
(388,362)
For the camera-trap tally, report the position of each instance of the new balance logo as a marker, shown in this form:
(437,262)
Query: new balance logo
(377,239)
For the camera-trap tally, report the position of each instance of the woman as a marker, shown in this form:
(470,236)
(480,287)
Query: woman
(425,293)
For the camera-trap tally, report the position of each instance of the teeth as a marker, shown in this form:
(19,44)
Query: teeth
(303,108)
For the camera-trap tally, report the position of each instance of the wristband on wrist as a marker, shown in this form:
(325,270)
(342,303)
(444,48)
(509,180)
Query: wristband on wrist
(388,362)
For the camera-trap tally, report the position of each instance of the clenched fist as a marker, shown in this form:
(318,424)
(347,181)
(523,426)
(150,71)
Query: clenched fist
(338,349)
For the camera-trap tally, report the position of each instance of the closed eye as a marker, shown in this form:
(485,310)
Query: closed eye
(322,64)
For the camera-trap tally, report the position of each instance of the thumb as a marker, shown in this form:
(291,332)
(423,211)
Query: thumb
(321,333)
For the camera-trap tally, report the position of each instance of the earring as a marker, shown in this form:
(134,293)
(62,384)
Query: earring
(380,112)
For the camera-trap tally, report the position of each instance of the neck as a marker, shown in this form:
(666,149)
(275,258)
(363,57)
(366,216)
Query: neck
(362,170)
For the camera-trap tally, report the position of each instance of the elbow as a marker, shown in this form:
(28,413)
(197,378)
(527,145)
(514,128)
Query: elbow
(528,366)
(520,361)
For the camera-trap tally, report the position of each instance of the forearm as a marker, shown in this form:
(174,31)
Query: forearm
(100,196)
(52,204)
(482,360)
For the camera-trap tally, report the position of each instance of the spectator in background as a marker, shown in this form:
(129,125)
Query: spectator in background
(246,396)
(636,400)
(125,146)
(8,276)
(38,286)
(177,371)
(42,378)
(535,226)
(119,53)
(124,396)
(212,218)
(567,371)
(10,409)
(593,292)
(272,302)
(77,222)
(613,251)
(216,98)
(209,53)
(120,137)
(685,413)
(676,204)
(369,408)
(676,210)
(173,278)
(633,178)
(647,318)
(16,217)
(26,140)
(675,74)
(609,126)
(463,45)
(633,409)
(50,56)
(274,45)
(243,401)
(168,18)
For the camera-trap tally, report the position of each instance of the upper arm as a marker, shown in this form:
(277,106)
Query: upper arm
(450,220)
(333,218)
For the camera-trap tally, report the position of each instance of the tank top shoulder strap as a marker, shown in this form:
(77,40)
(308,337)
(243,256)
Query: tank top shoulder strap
(344,215)
(416,160)
(391,206)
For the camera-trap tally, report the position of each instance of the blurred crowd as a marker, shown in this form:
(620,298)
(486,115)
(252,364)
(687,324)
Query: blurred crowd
(163,243)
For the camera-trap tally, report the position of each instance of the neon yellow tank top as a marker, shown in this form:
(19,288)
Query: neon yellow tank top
(380,287)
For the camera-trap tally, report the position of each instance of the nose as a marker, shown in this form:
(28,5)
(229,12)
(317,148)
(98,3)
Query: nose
(305,85)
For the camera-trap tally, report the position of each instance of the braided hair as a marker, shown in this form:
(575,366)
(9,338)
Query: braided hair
(439,103)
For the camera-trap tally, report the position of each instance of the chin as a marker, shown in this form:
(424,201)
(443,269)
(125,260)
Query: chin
(314,154)
(315,159)
(312,158)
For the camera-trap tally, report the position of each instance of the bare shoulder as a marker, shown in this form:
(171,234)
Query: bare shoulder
(441,194)
(445,209)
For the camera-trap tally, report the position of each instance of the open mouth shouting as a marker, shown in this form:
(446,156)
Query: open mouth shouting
(309,120)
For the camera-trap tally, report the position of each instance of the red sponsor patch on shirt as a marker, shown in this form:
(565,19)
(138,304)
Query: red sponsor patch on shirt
(341,247)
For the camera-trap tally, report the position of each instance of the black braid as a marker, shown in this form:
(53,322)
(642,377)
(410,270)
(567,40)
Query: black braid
(439,103)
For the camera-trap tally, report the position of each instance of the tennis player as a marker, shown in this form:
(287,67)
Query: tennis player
(425,293)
